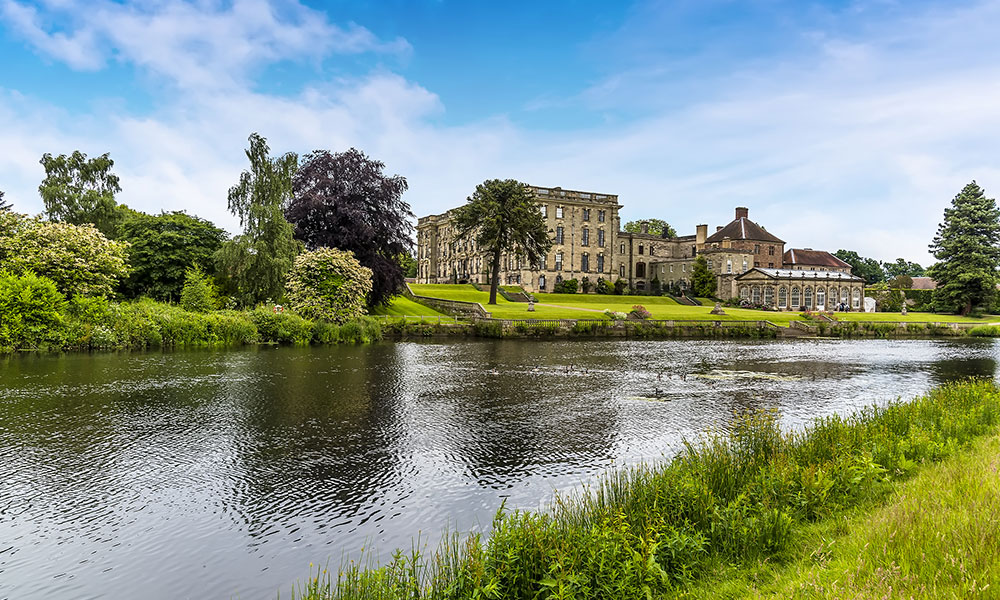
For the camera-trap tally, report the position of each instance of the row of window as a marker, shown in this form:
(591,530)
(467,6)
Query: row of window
(801,299)
(584,236)
(602,215)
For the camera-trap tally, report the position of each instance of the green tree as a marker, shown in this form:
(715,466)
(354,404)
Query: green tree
(868,269)
(408,264)
(656,227)
(503,218)
(4,205)
(162,249)
(329,284)
(703,281)
(79,190)
(31,309)
(78,258)
(966,246)
(198,293)
(256,263)
(902,267)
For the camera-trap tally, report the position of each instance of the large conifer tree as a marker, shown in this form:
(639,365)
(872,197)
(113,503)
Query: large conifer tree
(967,245)
(502,217)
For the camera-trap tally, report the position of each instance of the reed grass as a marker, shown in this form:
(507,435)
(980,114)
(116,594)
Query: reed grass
(738,497)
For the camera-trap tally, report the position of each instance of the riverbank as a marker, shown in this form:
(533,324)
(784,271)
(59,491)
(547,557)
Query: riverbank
(99,324)
(938,536)
(749,499)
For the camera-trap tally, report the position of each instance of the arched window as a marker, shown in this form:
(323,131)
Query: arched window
(857,298)
(744,293)
(843,295)
(820,298)
(744,265)
(795,297)
(768,295)
(755,297)
(782,297)
(809,298)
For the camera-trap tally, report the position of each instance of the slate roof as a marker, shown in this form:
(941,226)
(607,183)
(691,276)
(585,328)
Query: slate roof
(812,258)
(743,229)
(794,274)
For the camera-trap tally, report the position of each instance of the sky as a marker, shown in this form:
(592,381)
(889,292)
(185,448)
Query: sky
(840,124)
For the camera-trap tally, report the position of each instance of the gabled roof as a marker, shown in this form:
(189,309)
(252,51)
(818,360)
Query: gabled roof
(743,229)
(812,258)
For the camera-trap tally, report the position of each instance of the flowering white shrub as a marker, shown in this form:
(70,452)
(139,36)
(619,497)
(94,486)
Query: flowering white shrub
(328,284)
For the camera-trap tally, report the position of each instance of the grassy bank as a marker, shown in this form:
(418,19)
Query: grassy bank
(938,536)
(743,502)
(97,324)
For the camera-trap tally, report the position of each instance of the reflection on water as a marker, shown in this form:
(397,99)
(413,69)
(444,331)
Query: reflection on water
(219,474)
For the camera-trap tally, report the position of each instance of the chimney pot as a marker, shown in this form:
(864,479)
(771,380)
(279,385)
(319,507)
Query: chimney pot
(718,228)
(742,212)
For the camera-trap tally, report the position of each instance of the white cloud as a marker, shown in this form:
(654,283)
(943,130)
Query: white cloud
(192,44)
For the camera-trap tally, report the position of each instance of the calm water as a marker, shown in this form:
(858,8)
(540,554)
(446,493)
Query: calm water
(224,474)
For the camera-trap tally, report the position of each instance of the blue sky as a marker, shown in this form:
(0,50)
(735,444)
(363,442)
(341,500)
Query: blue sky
(840,124)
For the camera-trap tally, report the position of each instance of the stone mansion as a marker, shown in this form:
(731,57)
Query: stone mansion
(748,261)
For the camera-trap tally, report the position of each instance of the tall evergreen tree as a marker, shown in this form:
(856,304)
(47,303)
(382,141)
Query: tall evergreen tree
(503,218)
(967,245)
(702,280)
(257,262)
(4,205)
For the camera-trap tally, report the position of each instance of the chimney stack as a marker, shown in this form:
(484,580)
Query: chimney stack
(701,234)
(742,212)
(644,227)
(718,228)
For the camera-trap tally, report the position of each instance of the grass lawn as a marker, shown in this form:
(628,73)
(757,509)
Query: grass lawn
(937,537)
(582,306)
(401,305)
(504,309)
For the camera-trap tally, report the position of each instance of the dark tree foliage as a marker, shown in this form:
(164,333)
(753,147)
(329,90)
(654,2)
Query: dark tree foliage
(967,245)
(902,267)
(868,269)
(502,217)
(164,248)
(79,190)
(656,227)
(4,205)
(343,200)
(256,263)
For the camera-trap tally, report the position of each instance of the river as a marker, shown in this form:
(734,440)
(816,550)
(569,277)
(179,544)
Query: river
(219,474)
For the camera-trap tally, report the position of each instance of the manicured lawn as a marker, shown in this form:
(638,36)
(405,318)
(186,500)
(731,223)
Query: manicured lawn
(503,308)
(401,305)
(602,301)
(582,306)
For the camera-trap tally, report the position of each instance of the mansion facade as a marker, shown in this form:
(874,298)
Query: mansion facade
(588,245)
